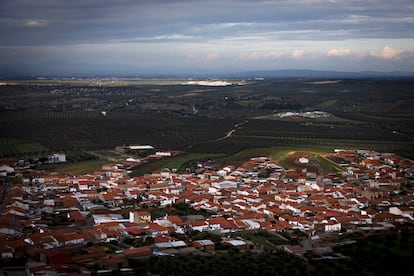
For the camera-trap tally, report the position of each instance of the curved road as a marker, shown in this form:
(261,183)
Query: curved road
(230,133)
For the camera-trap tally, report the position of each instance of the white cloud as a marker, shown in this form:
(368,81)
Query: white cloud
(274,54)
(230,25)
(35,23)
(297,54)
(387,53)
(254,56)
(339,52)
(172,36)
(208,57)
(211,56)
(160,38)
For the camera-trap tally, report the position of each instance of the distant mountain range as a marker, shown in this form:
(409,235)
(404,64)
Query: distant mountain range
(63,68)
(321,74)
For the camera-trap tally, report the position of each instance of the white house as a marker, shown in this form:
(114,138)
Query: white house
(139,147)
(4,170)
(163,153)
(332,226)
(251,224)
(57,158)
(7,252)
(405,211)
(225,184)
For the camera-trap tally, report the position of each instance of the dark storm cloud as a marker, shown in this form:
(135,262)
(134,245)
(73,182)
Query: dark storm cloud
(217,27)
(37,22)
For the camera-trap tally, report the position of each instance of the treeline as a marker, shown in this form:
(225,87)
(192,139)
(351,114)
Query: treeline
(231,263)
(389,254)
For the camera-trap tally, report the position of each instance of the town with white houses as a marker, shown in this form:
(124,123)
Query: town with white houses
(105,219)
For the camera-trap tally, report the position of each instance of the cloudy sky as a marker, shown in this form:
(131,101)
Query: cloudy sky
(346,35)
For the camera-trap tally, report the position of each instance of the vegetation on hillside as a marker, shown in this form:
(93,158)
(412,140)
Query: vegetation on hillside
(84,116)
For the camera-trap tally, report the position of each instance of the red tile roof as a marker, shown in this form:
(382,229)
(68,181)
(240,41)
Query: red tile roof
(140,251)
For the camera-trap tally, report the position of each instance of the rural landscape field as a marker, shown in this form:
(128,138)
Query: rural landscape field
(83,117)
(106,174)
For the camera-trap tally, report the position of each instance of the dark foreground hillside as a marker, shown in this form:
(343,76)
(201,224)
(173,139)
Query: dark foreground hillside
(375,255)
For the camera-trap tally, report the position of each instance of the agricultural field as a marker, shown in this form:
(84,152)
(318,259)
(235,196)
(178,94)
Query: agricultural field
(11,146)
(316,162)
(177,163)
(74,168)
(231,122)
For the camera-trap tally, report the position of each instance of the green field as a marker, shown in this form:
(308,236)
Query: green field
(95,82)
(178,162)
(263,239)
(17,147)
(327,165)
(76,168)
